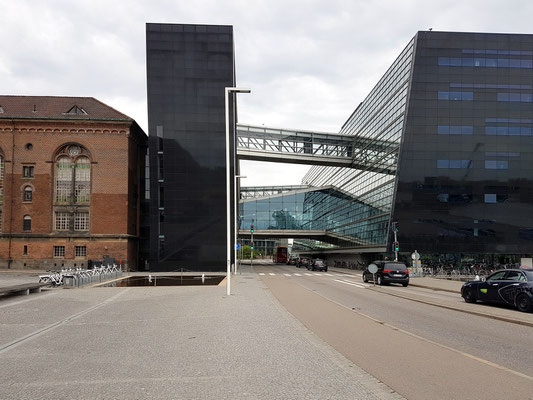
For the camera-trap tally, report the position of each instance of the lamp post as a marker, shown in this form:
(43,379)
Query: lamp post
(227,92)
(235,207)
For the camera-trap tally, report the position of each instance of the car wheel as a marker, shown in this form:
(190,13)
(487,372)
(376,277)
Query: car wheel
(379,280)
(325,270)
(523,303)
(468,295)
(405,284)
(365,279)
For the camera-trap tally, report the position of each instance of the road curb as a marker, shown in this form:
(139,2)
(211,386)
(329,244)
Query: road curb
(434,288)
(479,314)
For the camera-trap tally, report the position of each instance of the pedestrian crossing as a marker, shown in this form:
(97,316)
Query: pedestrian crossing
(300,274)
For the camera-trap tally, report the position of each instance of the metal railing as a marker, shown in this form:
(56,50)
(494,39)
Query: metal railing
(80,277)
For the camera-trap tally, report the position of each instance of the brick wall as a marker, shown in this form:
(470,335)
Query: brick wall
(34,143)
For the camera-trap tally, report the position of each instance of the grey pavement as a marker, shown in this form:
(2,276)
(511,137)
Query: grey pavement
(169,343)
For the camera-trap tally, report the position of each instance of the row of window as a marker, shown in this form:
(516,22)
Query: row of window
(461,164)
(509,130)
(489,130)
(489,86)
(510,120)
(59,251)
(490,198)
(63,222)
(498,52)
(516,97)
(469,96)
(465,96)
(79,251)
(485,62)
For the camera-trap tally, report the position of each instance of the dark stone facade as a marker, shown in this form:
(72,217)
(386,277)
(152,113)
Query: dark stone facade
(188,67)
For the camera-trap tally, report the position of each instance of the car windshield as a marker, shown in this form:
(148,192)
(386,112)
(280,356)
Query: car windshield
(319,262)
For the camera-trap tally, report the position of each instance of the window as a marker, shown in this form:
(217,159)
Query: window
(496,164)
(72,187)
(81,221)
(490,198)
(1,167)
(83,180)
(28,194)
(63,180)
(26,223)
(454,164)
(62,222)
(516,97)
(456,96)
(59,251)
(25,252)
(485,62)
(27,171)
(80,251)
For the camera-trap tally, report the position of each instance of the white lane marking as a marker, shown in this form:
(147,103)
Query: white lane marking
(298,274)
(262,273)
(360,286)
(271,274)
(328,274)
(318,274)
(306,274)
(287,274)
(26,300)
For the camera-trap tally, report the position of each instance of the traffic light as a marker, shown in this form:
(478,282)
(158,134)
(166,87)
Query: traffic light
(395,226)
(396,246)
(251,245)
(252,229)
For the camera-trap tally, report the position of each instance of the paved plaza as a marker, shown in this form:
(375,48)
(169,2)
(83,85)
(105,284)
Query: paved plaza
(168,343)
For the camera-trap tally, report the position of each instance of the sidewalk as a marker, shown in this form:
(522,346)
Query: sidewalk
(169,343)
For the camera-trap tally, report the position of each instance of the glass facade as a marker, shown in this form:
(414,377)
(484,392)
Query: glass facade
(379,120)
(454,115)
(464,179)
(327,210)
(188,67)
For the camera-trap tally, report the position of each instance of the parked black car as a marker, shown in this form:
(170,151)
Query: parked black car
(388,272)
(292,260)
(507,286)
(302,262)
(318,265)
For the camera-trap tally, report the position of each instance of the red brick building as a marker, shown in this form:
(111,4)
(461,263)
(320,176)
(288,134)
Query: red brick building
(71,170)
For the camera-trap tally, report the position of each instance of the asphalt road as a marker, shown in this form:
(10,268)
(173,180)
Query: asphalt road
(419,350)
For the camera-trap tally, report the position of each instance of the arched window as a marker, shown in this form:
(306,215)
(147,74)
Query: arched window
(72,188)
(26,223)
(27,194)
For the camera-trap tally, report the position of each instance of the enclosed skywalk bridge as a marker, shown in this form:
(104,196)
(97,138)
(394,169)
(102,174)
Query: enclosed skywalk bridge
(260,143)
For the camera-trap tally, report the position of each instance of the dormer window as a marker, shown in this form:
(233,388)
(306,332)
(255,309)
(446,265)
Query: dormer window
(75,110)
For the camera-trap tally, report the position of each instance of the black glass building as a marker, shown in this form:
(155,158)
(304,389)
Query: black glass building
(453,119)
(188,67)
(464,183)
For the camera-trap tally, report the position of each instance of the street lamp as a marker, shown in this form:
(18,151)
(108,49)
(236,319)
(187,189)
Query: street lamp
(227,92)
(235,204)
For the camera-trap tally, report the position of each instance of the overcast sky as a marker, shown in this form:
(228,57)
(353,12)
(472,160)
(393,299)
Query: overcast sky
(309,63)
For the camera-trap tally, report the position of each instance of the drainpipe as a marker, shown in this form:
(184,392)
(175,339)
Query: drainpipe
(11,192)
